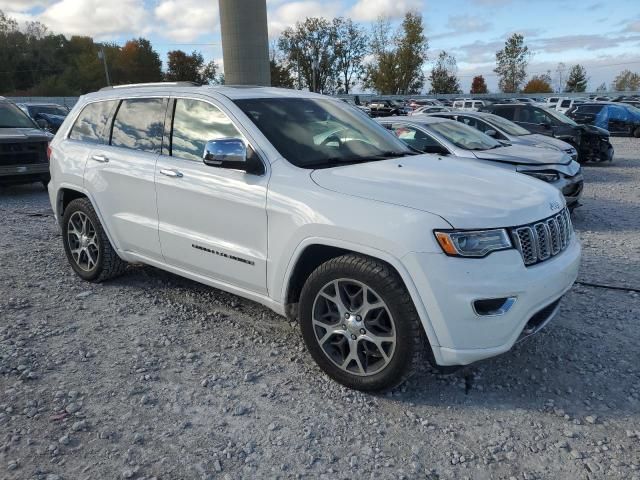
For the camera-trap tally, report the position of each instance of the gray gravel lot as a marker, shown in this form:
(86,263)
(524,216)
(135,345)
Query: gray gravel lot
(154,376)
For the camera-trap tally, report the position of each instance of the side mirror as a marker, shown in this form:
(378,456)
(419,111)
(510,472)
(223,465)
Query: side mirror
(491,133)
(42,123)
(546,124)
(226,153)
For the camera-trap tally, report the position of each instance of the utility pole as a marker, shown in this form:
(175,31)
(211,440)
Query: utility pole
(103,57)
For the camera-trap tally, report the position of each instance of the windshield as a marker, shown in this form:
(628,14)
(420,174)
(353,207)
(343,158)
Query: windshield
(463,136)
(506,125)
(12,117)
(560,116)
(316,133)
(47,110)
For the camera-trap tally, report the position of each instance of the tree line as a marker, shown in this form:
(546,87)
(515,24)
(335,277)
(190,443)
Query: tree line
(35,61)
(327,56)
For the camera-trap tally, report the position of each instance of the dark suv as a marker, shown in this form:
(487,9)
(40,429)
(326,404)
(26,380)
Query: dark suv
(617,118)
(23,147)
(592,143)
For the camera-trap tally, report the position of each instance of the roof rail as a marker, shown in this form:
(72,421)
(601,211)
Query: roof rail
(154,84)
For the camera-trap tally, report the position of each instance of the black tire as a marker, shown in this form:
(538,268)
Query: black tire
(636,133)
(411,344)
(108,264)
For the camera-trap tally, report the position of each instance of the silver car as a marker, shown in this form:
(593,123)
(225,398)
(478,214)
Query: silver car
(505,130)
(431,134)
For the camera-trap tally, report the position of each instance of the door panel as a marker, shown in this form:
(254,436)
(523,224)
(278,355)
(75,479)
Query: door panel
(212,221)
(122,178)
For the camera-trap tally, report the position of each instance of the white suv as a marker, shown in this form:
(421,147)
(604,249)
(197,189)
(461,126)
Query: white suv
(386,257)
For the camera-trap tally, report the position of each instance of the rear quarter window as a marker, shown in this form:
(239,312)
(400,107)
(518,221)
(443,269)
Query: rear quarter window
(91,123)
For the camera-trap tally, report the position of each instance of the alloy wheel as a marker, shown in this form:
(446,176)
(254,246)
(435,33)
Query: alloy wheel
(83,241)
(354,327)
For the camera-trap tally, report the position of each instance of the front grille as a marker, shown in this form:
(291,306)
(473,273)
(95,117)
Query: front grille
(543,240)
(23,153)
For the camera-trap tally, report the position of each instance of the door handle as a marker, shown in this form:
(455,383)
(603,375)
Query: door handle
(100,158)
(170,172)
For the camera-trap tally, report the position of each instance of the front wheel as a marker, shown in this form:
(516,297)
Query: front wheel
(359,323)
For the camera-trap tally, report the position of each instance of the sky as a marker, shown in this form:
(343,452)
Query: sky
(603,36)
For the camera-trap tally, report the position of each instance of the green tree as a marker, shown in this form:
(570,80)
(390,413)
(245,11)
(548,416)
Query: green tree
(443,76)
(309,47)
(280,74)
(626,81)
(511,63)
(577,81)
(351,46)
(478,85)
(538,84)
(398,60)
(182,67)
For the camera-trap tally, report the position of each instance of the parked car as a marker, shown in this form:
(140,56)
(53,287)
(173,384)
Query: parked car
(552,101)
(505,130)
(468,104)
(592,143)
(443,136)
(362,108)
(48,116)
(23,147)
(385,108)
(617,118)
(424,102)
(381,254)
(428,109)
(566,103)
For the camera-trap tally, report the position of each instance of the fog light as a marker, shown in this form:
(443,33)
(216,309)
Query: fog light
(492,307)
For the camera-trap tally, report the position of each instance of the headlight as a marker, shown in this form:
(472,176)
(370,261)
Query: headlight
(544,176)
(478,243)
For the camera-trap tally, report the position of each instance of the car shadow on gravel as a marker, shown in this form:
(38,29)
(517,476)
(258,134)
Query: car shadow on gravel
(28,189)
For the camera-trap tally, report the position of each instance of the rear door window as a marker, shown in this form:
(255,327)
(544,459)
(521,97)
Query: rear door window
(91,123)
(505,112)
(139,124)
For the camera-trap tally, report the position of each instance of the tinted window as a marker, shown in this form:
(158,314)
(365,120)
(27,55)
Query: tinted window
(194,124)
(463,136)
(139,124)
(588,109)
(467,104)
(90,125)
(565,103)
(505,112)
(12,116)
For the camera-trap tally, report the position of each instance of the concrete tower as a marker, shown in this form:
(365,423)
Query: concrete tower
(245,42)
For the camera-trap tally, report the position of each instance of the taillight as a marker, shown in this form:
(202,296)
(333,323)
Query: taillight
(49,152)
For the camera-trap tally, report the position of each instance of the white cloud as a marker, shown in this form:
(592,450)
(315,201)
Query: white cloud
(97,18)
(22,5)
(289,13)
(371,10)
(186,20)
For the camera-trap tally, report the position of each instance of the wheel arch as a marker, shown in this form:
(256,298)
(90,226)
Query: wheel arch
(312,252)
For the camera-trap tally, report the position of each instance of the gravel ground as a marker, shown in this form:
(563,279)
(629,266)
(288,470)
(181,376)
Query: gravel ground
(154,376)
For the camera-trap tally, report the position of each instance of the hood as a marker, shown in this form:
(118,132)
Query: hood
(19,134)
(539,139)
(524,155)
(592,129)
(464,192)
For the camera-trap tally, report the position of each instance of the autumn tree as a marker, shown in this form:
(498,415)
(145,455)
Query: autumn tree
(626,81)
(577,81)
(182,67)
(351,46)
(443,76)
(398,59)
(478,85)
(538,84)
(137,62)
(309,47)
(511,63)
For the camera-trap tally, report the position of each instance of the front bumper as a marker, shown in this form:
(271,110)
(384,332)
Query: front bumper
(571,188)
(596,149)
(22,173)
(448,287)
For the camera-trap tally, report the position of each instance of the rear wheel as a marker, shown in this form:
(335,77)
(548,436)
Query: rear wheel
(359,323)
(86,244)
